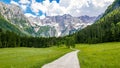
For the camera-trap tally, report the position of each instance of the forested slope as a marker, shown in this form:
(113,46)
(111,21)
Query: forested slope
(106,29)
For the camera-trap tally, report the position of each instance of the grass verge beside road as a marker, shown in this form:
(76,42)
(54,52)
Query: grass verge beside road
(104,55)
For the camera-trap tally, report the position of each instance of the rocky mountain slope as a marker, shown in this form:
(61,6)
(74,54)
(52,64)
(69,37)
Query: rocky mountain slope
(47,27)
(60,25)
(14,16)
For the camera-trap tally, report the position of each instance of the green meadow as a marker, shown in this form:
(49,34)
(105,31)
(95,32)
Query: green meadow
(29,57)
(104,55)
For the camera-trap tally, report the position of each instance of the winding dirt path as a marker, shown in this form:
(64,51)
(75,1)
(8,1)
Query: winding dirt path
(69,60)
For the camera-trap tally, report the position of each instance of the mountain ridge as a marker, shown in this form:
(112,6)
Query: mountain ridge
(62,24)
(50,26)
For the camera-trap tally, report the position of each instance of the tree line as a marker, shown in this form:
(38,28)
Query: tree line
(11,39)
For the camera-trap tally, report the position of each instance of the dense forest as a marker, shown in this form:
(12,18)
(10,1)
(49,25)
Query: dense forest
(10,39)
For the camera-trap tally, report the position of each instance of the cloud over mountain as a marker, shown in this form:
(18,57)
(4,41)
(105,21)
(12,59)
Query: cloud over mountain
(60,7)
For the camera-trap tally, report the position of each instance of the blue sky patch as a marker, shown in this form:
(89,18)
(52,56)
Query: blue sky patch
(40,13)
(16,0)
(40,0)
(5,1)
(28,10)
(55,0)
(58,1)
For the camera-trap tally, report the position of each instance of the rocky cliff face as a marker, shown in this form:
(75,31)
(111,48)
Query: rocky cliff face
(61,25)
(14,14)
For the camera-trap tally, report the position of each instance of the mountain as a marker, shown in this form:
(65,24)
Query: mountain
(14,18)
(59,25)
(5,25)
(50,26)
(112,7)
(105,29)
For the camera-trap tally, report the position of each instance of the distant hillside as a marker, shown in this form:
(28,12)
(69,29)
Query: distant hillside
(106,29)
(112,7)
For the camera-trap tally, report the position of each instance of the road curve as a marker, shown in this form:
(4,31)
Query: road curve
(69,60)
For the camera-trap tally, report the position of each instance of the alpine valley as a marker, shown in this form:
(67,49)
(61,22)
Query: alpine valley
(50,26)
(60,41)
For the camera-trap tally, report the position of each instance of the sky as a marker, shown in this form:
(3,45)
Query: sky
(42,8)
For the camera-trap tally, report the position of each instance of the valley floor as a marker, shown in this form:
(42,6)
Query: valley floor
(104,55)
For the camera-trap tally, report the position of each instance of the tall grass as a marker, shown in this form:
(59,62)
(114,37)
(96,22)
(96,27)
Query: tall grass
(105,55)
(29,57)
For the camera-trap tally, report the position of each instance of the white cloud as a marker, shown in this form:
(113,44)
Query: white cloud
(24,4)
(29,14)
(24,7)
(42,17)
(73,7)
(13,2)
(85,7)
(24,1)
(36,7)
(80,7)
(99,3)
(55,9)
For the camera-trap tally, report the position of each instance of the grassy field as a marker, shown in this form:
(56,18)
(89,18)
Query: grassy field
(104,55)
(29,57)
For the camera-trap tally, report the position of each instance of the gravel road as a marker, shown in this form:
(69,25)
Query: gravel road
(69,60)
